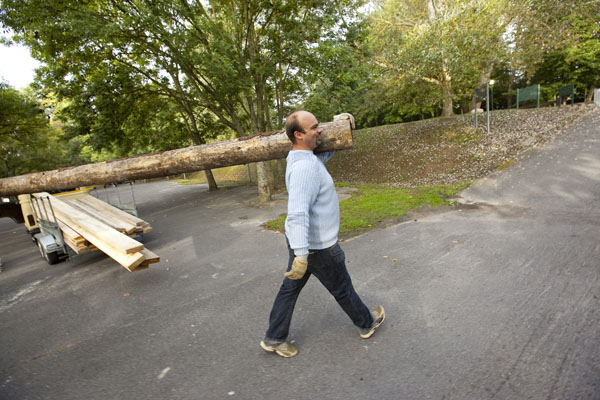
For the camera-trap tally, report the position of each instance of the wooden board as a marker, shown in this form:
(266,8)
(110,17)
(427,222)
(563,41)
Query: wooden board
(119,224)
(140,267)
(79,248)
(149,257)
(69,233)
(110,210)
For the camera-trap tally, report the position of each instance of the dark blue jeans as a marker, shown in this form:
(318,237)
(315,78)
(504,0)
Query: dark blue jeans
(329,266)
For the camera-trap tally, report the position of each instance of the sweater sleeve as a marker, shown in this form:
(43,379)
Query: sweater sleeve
(324,157)
(303,189)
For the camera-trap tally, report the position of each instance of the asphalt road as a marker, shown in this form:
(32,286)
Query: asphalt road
(496,299)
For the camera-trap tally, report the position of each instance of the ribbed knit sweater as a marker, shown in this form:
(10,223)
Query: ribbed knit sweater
(313,218)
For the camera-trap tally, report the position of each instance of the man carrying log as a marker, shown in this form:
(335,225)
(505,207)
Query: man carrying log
(311,230)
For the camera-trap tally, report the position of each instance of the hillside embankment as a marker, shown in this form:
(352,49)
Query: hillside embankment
(450,150)
(436,151)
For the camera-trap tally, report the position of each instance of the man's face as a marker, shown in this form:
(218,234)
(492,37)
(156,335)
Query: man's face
(311,137)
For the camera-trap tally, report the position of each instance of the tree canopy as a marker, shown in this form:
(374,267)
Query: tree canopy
(28,141)
(222,64)
(133,76)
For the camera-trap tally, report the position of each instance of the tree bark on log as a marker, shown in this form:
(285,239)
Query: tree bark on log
(337,135)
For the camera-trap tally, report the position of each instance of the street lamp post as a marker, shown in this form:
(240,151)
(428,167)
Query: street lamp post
(487,101)
(492,94)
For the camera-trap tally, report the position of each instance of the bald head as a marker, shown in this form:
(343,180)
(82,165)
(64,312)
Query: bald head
(303,129)
(294,123)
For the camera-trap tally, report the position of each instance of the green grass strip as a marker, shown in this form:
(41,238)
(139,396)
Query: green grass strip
(375,205)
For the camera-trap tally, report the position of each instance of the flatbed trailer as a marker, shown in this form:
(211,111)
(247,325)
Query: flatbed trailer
(84,222)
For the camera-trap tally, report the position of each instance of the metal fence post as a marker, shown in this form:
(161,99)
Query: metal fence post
(487,105)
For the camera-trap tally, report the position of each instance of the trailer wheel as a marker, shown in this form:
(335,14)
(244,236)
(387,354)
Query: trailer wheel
(51,258)
(41,249)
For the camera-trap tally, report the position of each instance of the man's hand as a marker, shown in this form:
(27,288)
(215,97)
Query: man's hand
(345,116)
(298,267)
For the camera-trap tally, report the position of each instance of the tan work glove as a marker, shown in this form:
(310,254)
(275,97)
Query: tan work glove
(345,116)
(298,267)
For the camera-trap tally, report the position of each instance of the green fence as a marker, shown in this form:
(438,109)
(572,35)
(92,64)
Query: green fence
(565,92)
(529,93)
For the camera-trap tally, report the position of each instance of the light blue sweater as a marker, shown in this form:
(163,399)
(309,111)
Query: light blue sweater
(313,218)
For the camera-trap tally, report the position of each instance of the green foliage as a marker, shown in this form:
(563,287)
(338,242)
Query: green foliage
(454,46)
(343,78)
(132,77)
(448,44)
(578,62)
(221,64)
(377,205)
(28,142)
(543,26)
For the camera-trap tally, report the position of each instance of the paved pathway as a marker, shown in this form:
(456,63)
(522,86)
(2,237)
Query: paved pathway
(497,299)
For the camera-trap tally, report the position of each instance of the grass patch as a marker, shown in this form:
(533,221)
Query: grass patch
(372,206)
(231,175)
(505,165)
(194,181)
(277,224)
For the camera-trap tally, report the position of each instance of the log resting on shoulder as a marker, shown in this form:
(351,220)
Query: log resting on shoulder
(337,135)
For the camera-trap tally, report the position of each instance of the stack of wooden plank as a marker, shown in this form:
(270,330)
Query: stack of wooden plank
(113,216)
(89,224)
(74,240)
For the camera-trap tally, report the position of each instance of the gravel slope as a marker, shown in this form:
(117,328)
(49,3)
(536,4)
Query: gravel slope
(449,150)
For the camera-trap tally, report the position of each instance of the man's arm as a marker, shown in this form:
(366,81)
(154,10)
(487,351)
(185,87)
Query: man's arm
(303,189)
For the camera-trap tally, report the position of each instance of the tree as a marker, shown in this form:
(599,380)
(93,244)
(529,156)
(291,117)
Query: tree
(582,54)
(28,143)
(448,43)
(344,74)
(234,60)
(455,45)
(544,31)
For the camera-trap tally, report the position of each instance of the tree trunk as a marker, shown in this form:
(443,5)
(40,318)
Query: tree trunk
(511,82)
(448,108)
(262,168)
(264,189)
(281,171)
(261,147)
(589,95)
(190,121)
(212,184)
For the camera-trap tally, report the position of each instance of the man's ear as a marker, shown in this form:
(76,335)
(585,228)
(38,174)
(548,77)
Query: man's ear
(298,135)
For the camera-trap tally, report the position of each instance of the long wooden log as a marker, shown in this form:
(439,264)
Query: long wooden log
(337,135)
